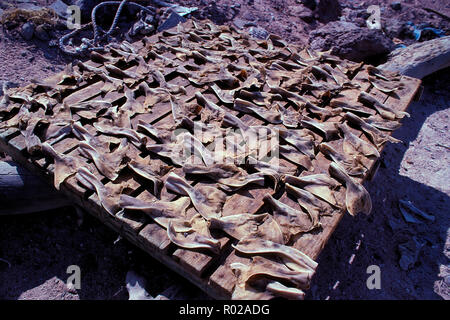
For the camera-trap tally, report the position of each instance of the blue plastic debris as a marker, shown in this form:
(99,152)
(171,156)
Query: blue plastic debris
(417,31)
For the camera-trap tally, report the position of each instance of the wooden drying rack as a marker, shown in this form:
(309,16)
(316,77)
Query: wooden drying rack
(209,272)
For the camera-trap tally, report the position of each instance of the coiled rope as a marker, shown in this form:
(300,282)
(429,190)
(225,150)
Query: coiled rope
(93,45)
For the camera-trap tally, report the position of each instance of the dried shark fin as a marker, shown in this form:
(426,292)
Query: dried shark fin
(269,114)
(206,133)
(108,164)
(383,124)
(275,172)
(32,142)
(145,172)
(162,212)
(353,145)
(294,259)
(384,75)
(217,112)
(312,204)
(290,220)
(90,109)
(193,146)
(352,164)
(262,288)
(292,154)
(224,97)
(327,129)
(208,201)
(301,139)
(107,196)
(357,199)
(385,111)
(321,185)
(229,176)
(244,225)
(356,107)
(280,290)
(65,165)
(385,86)
(192,241)
(133,136)
(289,117)
(378,138)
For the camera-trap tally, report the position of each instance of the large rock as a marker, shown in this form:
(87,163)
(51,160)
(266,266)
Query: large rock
(328,10)
(349,41)
(86,7)
(420,59)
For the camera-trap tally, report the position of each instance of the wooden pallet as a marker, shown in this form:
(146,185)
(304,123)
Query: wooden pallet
(208,271)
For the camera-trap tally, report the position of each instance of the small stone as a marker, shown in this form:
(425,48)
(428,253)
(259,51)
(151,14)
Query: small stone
(258,33)
(27,30)
(60,8)
(23,53)
(239,23)
(41,33)
(49,55)
(53,43)
(396,5)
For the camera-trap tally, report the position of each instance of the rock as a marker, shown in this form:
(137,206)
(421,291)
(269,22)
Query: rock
(396,5)
(171,22)
(302,12)
(41,33)
(239,23)
(409,252)
(310,4)
(420,59)
(86,7)
(328,10)
(28,6)
(60,8)
(219,14)
(351,42)
(27,30)
(258,33)
(141,27)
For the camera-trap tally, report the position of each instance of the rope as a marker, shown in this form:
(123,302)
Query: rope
(92,44)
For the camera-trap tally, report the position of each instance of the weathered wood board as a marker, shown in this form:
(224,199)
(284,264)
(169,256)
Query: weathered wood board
(183,63)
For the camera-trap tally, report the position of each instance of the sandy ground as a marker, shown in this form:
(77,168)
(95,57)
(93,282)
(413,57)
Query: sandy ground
(36,249)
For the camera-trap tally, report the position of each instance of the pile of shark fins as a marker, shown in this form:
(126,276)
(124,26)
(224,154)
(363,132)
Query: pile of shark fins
(293,94)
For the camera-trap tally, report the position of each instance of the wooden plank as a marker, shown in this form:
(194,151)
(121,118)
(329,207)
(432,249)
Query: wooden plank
(18,191)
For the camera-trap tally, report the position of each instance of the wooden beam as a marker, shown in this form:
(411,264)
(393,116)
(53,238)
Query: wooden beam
(23,192)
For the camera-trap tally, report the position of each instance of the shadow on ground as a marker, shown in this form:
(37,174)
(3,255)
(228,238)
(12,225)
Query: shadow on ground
(416,170)
(41,246)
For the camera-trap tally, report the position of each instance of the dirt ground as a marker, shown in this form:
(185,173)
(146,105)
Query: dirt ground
(36,249)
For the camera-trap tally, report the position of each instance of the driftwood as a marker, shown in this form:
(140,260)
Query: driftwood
(23,192)
(420,59)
